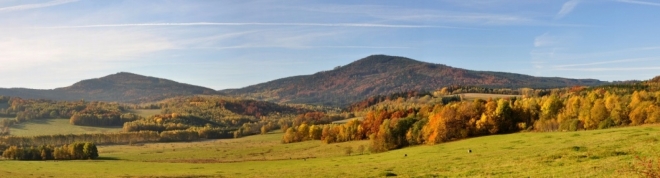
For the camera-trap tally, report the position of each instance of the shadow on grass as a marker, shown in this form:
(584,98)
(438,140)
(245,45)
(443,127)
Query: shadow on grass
(35,121)
(107,158)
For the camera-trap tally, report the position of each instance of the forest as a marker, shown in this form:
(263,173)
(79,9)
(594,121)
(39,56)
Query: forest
(404,121)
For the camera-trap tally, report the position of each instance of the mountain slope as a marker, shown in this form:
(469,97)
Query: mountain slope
(381,74)
(120,87)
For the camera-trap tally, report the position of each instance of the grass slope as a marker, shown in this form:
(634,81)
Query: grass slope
(600,153)
(55,126)
(145,112)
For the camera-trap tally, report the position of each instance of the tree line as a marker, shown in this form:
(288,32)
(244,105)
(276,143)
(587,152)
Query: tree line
(78,150)
(569,109)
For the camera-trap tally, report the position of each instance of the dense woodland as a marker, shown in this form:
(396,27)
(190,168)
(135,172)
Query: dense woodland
(405,121)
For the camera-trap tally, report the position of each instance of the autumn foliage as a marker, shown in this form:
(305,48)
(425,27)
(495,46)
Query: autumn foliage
(395,126)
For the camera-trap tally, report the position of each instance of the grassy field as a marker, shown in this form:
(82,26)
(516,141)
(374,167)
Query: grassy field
(55,126)
(145,112)
(600,153)
(473,96)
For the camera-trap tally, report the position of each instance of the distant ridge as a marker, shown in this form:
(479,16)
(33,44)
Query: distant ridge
(119,87)
(382,74)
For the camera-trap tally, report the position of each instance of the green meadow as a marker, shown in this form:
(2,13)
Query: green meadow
(62,126)
(598,153)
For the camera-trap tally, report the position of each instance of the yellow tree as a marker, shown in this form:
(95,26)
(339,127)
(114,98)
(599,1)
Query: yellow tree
(598,114)
(653,114)
(303,132)
(550,107)
(638,113)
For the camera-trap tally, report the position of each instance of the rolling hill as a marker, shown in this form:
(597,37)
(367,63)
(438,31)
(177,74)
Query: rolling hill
(120,87)
(381,74)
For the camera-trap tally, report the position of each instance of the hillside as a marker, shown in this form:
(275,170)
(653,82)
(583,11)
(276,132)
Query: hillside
(381,74)
(120,87)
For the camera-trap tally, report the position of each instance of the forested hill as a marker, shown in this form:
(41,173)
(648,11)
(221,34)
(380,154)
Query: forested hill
(120,87)
(381,74)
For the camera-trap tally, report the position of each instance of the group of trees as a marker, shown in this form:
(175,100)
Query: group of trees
(102,114)
(567,109)
(78,150)
(97,138)
(79,112)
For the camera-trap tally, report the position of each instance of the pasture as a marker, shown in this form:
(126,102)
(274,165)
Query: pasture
(55,126)
(145,112)
(598,153)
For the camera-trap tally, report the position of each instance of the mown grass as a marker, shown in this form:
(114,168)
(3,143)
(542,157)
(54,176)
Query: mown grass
(600,153)
(145,112)
(55,126)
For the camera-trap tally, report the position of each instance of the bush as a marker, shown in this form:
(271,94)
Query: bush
(607,123)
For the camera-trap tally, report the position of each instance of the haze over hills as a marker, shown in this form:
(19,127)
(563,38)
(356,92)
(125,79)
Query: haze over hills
(120,87)
(381,74)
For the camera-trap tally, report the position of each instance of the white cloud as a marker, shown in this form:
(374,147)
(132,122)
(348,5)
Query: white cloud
(25,49)
(35,6)
(567,8)
(639,2)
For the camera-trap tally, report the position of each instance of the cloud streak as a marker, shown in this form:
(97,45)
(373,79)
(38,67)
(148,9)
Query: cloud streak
(604,62)
(310,46)
(35,6)
(609,69)
(567,8)
(639,2)
(366,25)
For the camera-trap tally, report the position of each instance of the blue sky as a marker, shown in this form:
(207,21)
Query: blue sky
(230,44)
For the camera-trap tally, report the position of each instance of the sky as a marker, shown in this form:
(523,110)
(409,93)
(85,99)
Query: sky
(46,44)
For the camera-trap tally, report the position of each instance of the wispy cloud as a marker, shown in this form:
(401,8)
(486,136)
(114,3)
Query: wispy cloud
(367,25)
(35,6)
(25,49)
(600,69)
(567,8)
(603,62)
(639,2)
(387,13)
(307,46)
(545,40)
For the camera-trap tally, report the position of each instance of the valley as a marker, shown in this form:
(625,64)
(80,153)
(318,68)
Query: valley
(437,122)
